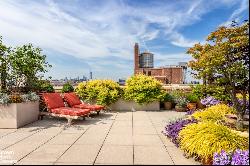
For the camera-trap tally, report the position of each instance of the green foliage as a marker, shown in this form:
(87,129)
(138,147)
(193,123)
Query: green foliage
(21,67)
(218,92)
(166,97)
(104,92)
(198,90)
(206,138)
(192,98)
(67,88)
(224,61)
(45,86)
(213,113)
(142,89)
(27,62)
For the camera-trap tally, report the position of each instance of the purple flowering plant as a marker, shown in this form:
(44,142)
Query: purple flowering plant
(173,128)
(239,157)
(241,103)
(209,101)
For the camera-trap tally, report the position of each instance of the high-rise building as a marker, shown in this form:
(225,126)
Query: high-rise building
(144,63)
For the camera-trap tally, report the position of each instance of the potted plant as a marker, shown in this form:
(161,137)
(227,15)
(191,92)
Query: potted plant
(193,99)
(167,99)
(67,88)
(181,103)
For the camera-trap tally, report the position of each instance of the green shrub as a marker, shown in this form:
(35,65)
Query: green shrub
(142,89)
(46,87)
(198,90)
(213,113)
(206,138)
(104,92)
(67,88)
(166,97)
(192,98)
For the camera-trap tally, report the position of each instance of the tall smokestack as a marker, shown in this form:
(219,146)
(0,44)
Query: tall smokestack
(136,58)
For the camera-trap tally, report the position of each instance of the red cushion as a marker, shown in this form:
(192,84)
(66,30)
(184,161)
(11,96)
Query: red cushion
(72,99)
(70,111)
(53,100)
(92,107)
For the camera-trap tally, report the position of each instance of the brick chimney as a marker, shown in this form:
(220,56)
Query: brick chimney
(136,58)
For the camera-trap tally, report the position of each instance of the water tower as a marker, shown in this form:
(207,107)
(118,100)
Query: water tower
(146,60)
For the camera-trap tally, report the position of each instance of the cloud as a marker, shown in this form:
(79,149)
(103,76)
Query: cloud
(237,15)
(96,30)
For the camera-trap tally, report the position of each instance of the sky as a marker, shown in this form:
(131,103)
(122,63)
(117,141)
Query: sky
(79,36)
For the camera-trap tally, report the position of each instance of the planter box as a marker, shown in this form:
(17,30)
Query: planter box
(123,105)
(16,115)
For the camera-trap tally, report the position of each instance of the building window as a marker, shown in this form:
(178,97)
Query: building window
(149,73)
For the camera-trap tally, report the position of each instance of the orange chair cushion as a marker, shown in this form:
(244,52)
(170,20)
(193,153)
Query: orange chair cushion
(70,111)
(91,107)
(53,100)
(72,99)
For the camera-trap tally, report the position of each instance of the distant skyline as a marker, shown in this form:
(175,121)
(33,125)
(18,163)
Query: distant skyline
(79,36)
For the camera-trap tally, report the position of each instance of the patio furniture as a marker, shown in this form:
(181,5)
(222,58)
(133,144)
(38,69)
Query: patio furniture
(55,106)
(73,101)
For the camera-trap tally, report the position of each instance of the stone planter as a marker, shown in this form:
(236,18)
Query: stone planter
(123,105)
(168,105)
(191,106)
(180,109)
(16,115)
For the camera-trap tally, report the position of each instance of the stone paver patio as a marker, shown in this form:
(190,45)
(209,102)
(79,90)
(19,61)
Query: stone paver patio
(108,138)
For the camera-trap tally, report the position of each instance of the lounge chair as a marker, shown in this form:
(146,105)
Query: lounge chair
(55,106)
(73,101)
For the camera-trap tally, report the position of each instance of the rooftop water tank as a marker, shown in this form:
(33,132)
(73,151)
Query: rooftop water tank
(146,60)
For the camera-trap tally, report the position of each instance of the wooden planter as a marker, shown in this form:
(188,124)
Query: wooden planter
(200,106)
(191,106)
(16,115)
(208,161)
(180,109)
(168,105)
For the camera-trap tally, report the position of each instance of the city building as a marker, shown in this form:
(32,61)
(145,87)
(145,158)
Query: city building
(144,63)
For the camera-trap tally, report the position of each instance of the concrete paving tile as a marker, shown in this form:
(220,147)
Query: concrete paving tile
(94,130)
(122,123)
(117,139)
(33,163)
(151,155)
(147,140)
(14,137)
(115,155)
(46,153)
(166,141)
(36,139)
(71,163)
(21,150)
(121,130)
(178,158)
(144,130)
(141,123)
(91,139)
(64,139)
(80,154)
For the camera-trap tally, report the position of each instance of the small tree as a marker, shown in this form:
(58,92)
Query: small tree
(224,61)
(4,51)
(27,65)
